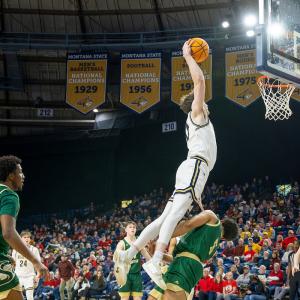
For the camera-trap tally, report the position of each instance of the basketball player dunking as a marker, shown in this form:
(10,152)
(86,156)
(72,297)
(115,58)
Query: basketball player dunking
(191,176)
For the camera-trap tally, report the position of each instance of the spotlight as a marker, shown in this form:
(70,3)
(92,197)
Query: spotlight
(250,20)
(225,24)
(276,29)
(250,33)
(95,110)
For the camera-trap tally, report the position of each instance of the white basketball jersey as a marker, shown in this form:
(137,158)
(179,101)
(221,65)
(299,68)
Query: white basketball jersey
(201,141)
(24,268)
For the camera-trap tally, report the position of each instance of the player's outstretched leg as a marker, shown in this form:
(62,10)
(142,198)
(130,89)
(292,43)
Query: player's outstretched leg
(181,204)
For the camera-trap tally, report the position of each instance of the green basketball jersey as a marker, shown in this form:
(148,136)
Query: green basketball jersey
(9,205)
(202,241)
(136,261)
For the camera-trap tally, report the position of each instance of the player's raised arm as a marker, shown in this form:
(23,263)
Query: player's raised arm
(198,80)
(204,217)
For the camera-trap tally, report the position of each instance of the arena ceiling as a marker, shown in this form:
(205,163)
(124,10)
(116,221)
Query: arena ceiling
(40,67)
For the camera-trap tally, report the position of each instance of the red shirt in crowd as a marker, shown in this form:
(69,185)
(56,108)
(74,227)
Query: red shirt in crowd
(239,250)
(53,283)
(249,255)
(288,240)
(228,252)
(66,270)
(104,244)
(204,284)
(228,286)
(278,274)
(217,287)
(277,223)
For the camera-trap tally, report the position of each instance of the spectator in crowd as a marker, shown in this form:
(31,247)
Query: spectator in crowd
(249,254)
(256,237)
(80,288)
(256,289)
(230,290)
(237,263)
(239,249)
(49,288)
(289,239)
(244,279)
(270,231)
(228,252)
(98,284)
(265,260)
(275,259)
(262,275)
(255,247)
(265,247)
(234,271)
(245,234)
(265,238)
(216,291)
(276,278)
(66,273)
(204,286)
(285,257)
(279,240)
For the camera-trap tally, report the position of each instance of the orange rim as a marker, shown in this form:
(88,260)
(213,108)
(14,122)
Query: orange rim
(261,78)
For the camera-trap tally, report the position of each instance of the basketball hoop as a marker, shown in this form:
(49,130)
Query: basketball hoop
(276,96)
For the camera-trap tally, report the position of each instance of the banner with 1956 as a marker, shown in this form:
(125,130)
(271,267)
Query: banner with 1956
(86,80)
(140,80)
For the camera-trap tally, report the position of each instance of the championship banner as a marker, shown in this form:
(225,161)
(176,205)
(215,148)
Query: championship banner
(296,94)
(182,82)
(86,80)
(140,80)
(241,74)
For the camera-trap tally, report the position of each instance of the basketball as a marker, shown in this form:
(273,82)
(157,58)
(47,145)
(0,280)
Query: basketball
(199,49)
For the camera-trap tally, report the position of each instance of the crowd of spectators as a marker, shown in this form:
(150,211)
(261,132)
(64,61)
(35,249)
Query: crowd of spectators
(252,267)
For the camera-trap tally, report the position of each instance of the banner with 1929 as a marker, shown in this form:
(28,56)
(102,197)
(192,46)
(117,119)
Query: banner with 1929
(182,82)
(86,80)
(241,74)
(140,80)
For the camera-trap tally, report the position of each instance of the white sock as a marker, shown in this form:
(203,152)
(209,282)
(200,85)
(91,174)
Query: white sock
(157,257)
(29,294)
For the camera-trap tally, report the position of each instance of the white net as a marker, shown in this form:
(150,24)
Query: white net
(276,96)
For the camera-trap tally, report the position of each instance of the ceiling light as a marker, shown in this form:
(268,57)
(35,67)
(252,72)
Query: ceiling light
(250,33)
(250,20)
(276,29)
(225,24)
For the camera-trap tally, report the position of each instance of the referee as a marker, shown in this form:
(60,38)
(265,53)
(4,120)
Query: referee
(294,271)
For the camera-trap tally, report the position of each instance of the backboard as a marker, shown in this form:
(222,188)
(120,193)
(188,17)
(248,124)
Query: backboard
(278,40)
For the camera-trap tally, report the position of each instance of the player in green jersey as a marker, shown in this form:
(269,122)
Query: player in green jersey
(11,180)
(133,286)
(200,239)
